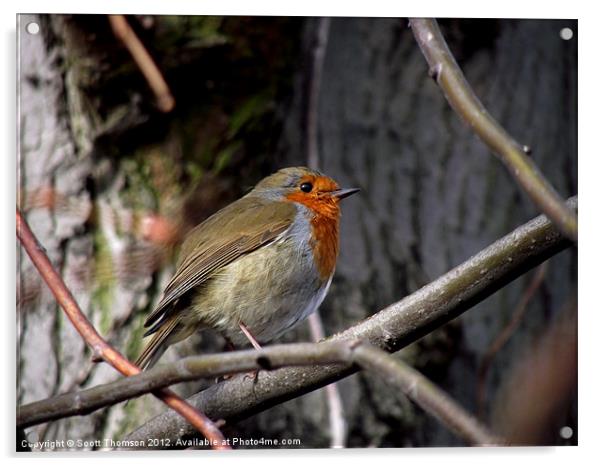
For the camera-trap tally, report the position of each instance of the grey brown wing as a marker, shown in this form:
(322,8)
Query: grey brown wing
(264,224)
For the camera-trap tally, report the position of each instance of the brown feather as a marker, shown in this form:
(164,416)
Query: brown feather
(159,343)
(240,228)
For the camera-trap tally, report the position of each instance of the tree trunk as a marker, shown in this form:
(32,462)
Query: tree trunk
(432,196)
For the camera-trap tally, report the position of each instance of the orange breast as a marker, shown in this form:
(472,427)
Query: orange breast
(325,230)
(326,247)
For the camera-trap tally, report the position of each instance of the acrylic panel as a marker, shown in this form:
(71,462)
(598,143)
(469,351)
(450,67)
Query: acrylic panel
(453,313)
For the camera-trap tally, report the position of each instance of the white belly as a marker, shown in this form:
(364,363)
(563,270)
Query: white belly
(268,304)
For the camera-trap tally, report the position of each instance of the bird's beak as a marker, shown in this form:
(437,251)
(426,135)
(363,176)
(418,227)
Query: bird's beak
(343,193)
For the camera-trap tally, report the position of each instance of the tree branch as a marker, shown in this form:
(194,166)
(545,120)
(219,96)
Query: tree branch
(425,394)
(98,344)
(313,98)
(504,336)
(149,69)
(459,94)
(391,329)
(416,387)
(187,369)
(336,415)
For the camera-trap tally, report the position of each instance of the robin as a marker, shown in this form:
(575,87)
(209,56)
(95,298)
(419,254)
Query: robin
(256,268)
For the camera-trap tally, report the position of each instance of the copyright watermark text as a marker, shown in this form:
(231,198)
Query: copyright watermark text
(107,443)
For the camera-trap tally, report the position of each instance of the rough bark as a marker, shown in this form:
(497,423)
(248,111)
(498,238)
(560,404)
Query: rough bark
(433,195)
(109,184)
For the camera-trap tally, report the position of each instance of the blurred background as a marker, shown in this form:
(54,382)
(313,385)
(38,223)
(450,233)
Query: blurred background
(110,183)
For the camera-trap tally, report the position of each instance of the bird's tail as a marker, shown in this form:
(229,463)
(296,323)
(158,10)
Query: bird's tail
(170,332)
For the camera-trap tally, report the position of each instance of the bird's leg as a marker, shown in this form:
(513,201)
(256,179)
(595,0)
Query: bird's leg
(249,336)
(255,344)
(230,347)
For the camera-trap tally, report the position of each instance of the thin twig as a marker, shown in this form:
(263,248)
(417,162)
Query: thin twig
(336,415)
(446,72)
(149,69)
(391,329)
(99,346)
(425,394)
(313,98)
(505,335)
(417,387)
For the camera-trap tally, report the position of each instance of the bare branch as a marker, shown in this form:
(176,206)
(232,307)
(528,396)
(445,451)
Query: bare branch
(192,368)
(98,344)
(336,416)
(413,384)
(149,69)
(313,99)
(425,394)
(504,336)
(459,94)
(391,329)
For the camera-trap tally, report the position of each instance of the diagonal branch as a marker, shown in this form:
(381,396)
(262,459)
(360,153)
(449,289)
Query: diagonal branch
(504,336)
(459,94)
(124,32)
(413,384)
(425,394)
(391,329)
(192,368)
(98,344)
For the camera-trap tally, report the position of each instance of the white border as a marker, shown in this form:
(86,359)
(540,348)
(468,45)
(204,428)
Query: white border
(590,211)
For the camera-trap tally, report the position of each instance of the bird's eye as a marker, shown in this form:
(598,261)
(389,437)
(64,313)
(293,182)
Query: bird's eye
(306,187)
